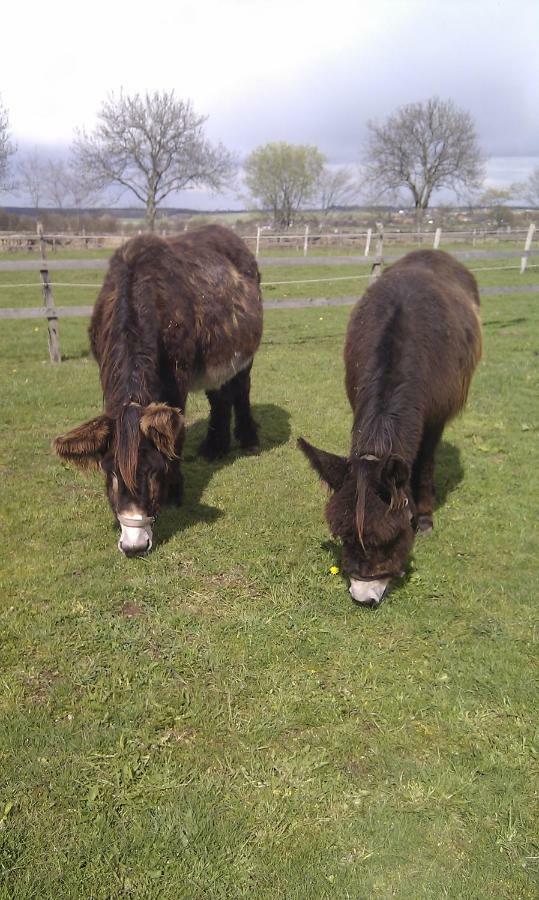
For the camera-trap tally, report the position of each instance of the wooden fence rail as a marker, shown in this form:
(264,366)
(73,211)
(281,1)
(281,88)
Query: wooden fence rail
(52,313)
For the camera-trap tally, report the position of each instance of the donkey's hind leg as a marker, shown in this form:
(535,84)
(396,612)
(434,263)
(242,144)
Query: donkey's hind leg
(246,429)
(217,441)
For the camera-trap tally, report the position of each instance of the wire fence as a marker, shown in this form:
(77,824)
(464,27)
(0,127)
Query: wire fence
(52,313)
(337,278)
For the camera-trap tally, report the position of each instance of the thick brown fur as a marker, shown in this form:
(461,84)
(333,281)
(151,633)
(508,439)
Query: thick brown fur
(413,342)
(172,316)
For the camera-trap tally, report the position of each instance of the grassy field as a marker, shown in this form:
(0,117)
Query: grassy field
(219,720)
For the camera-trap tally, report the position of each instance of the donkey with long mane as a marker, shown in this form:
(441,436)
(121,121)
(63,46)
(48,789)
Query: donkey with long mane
(413,342)
(171,317)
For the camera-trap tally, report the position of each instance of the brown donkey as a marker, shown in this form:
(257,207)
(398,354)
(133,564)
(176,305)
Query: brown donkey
(413,342)
(172,317)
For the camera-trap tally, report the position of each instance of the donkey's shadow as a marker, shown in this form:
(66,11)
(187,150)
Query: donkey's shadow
(448,472)
(274,430)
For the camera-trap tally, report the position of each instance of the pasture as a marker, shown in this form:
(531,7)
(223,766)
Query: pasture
(218,720)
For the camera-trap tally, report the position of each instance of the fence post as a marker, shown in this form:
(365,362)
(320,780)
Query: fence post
(376,270)
(437,236)
(42,249)
(257,250)
(527,246)
(306,241)
(368,242)
(48,302)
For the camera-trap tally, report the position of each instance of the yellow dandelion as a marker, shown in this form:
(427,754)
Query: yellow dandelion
(334,570)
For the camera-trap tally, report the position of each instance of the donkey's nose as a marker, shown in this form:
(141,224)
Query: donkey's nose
(134,551)
(368,593)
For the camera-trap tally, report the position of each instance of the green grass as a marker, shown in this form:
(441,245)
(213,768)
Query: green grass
(218,720)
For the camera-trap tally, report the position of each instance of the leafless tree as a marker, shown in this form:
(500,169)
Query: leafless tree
(152,146)
(528,190)
(59,183)
(53,181)
(423,147)
(7,148)
(337,187)
(31,172)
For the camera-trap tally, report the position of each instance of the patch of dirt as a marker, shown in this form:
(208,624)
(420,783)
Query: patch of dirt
(130,610)
(39,685)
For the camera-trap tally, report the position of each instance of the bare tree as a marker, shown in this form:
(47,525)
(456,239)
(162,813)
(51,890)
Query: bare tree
(54,181)
(337,187)
(152,146)
(31,172)
(283,177)
(6,150)
(423,147)
(58,179)
(528,190)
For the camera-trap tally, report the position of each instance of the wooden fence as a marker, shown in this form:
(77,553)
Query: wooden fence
(52,313)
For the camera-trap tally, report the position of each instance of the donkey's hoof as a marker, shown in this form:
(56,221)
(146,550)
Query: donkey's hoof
(251,449)
(210,451)
(175,495)
(425,524)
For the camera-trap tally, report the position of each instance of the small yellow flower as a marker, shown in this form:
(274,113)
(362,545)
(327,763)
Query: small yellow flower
(334,570)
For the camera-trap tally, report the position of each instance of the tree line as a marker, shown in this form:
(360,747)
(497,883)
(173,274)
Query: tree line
(154,145)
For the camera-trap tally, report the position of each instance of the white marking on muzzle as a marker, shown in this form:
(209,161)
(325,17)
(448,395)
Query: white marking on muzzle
(368,591)
(136,532)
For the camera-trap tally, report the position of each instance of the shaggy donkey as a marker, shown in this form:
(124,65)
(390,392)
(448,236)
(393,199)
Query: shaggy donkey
(172,317)
(413,342)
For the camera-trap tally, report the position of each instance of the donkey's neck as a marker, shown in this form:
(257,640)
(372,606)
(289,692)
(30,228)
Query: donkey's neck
(387,414)
(130,371)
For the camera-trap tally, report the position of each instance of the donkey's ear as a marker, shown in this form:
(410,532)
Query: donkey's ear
(331,468)
(162,424)
(85,445)
(394,477)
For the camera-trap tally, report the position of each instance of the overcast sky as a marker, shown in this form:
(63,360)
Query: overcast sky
(265,70)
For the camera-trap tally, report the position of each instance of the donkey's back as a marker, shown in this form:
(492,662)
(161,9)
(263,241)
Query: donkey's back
(419,324)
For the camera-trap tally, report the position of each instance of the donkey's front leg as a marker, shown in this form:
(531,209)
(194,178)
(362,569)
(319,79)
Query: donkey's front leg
(246,430)
(423,477)
(217,441)
(175,484)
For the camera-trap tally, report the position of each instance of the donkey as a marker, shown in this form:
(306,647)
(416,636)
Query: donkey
(171,317)
(413,342)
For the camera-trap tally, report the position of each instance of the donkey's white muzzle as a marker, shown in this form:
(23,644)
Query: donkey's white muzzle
(368,592)
(136,536)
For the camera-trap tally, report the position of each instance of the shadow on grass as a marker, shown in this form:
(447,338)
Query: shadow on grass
(82,354)
(274,431)
(448,472)
(503,323)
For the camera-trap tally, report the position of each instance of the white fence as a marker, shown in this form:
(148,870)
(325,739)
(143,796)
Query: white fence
(309,240)
(304,242)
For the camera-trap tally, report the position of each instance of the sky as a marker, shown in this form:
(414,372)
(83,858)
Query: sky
(266,70)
